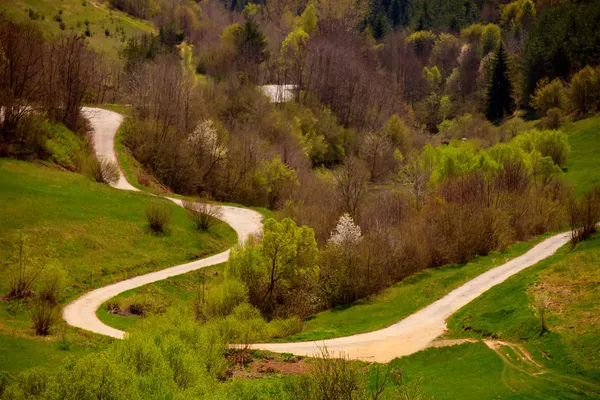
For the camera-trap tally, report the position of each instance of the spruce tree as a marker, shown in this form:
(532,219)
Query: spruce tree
(398,13)
(499,92)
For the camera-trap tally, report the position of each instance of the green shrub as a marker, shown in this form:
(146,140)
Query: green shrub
(549,95)
(221,301)
(554,119)
(585,89)
(102,171)
(139,304)
(44,315)
(281,328)
(52,282)
(23,271)
(158,216)
(551,143)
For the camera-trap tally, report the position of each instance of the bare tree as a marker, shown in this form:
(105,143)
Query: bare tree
(203,214)
(352,180)
(21,65)
(415,174)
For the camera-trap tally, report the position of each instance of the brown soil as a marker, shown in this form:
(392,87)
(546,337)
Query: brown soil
(279,367)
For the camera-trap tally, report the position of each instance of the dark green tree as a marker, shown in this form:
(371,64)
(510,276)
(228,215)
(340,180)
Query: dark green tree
(380,26)
(251,43)
(398,13)
(499,92)
(425,21)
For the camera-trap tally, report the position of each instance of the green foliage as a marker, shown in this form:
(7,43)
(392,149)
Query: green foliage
(422,41)
(499,100)
(275,178)
(472,33)
(158,216)
(398,132)
(550,143)
(585,90)
(251,43)
(561,41)
(491,38)
(230,33)
(549,95)
(221,301)
(309,19)
(139,49)
(278,268)
(295,42)
(518,13)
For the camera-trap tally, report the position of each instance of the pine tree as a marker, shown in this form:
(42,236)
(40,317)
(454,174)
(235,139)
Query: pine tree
(499,92)
(399,13)
(381,26)
(425,21)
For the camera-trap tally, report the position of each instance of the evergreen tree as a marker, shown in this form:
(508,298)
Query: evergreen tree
(425,21)
(398,13)
(251,43)
(380,26)
(499,92)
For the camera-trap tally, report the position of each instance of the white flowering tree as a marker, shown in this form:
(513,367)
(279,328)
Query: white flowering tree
(208,142)
(346,233)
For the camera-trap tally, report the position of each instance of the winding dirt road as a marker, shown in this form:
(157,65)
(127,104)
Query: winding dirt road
(406,337)
(82,312)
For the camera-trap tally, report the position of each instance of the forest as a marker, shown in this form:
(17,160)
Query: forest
(420,134)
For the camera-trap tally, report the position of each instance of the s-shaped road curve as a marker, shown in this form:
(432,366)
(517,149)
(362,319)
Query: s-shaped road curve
(412,334)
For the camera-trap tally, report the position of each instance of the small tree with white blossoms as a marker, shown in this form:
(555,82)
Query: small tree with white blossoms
(340,282)
(346,233)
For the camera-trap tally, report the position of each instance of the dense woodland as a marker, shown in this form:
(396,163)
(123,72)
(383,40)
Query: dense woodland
(422,133)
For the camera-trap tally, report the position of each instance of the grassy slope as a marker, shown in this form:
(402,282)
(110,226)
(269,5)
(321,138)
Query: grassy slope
(571,279)
(178,288)
(76,12)
(583,165)
(402,299)
(98,234)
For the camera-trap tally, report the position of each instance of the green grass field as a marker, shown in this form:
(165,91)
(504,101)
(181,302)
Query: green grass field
(98,235)
(181,288)
(583,165)
(75,14)
(404,298)
(570,280)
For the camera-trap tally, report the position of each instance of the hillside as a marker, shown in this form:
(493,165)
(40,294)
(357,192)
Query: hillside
(583,166)
(108,28)
(97,234)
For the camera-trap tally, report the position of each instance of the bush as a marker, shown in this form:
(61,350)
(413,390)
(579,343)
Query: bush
(221,301)
(281,328)
(139,304)
(334,376)
(44,315)
(549,95)
(203,215)
(584,214)
(585,89)
(52,284)
(554,119)
(23,271)
(103,171)
(158,216)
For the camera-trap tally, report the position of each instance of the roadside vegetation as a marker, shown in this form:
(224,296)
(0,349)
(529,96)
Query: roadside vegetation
(74,235)
(550,308)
